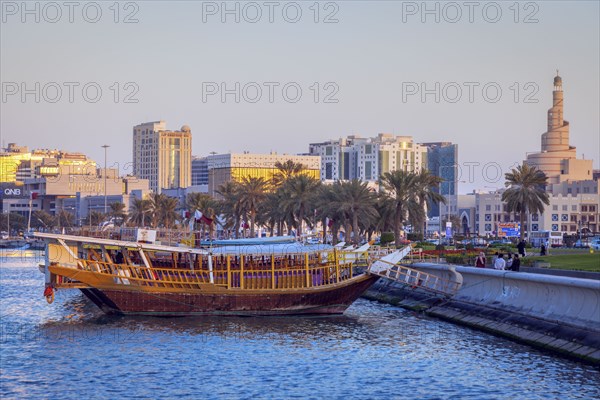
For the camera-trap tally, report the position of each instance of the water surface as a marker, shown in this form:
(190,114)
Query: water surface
(71,350)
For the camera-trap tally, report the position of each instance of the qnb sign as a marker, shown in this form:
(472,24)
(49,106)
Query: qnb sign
(13,192)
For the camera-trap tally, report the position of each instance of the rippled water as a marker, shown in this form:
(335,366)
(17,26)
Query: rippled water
(71,350)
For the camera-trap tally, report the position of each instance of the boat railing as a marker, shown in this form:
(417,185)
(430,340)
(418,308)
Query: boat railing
(415,278)
(238,277)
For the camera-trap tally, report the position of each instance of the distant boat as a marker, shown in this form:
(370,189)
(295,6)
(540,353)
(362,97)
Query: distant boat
(249,241)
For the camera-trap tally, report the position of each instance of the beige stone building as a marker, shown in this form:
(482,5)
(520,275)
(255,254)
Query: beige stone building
(558,159)
(163,157)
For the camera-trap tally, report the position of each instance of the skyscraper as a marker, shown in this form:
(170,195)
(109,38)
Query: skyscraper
(442,161)
(161,156)
(367,159)
(558,159)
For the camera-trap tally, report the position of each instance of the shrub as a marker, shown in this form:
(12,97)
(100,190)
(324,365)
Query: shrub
(415,237)
(440,247)
(455,259)
(470,246)
(387,238)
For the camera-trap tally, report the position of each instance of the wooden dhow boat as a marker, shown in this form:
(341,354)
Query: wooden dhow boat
(133,278)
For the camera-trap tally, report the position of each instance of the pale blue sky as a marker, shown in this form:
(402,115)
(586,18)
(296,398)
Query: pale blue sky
(369,54)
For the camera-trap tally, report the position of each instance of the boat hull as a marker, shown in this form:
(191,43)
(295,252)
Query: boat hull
(333,300)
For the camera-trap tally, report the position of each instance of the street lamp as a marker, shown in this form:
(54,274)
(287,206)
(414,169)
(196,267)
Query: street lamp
(105,147)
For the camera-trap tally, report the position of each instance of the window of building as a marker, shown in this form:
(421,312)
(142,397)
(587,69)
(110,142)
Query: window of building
(574,207)
(584,208)
(488,207)
(564,207)
(563,228)
(573,228)
(555,207)
(592,208)
(328,150)
(573,218)
(554,217)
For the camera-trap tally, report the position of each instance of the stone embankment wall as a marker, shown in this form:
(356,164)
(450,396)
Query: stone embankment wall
(553,312)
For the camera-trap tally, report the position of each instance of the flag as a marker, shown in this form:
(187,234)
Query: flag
(34,195)
(206,220)
(197,215)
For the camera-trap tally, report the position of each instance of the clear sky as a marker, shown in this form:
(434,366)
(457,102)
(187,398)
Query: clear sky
(372,60)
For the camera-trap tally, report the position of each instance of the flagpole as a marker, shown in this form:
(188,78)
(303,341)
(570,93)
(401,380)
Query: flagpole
(29,219)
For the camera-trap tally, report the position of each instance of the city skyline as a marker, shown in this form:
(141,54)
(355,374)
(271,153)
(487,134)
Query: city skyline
(365,61)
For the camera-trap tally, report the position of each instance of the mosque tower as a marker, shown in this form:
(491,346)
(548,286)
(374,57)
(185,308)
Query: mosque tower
(558,160)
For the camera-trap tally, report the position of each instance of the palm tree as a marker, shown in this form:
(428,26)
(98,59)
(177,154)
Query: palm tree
(357,202)
(162,209)
(299,195)
(400,189)
(205,204)
(95,218)
(526,192)
(426,182)
(140,209)
(65,219)
(229,206)
(117,211)
(286,170)
(42,218)
(271,213)
(252,192)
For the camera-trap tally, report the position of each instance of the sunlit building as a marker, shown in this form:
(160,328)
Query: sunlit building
(18,163)
(224,168)
(558,159)
(355,157)
(163,157)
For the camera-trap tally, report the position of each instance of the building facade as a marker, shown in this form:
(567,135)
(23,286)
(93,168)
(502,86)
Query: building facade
(18,163)
(199,171)
(161,156)
(224,168)
(442,161)
(354,157)
(566,214)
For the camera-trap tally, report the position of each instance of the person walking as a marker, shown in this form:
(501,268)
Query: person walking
(543,249)
(521,248)
(516,264)
(480,260)
(509,261)
(500,263)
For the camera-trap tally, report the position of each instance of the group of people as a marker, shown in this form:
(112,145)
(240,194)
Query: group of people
(512,263)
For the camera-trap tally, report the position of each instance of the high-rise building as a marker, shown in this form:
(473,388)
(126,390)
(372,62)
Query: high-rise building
(224,168)
(442,161)
(558,159)
(367,159)
(199,171)
(161,156)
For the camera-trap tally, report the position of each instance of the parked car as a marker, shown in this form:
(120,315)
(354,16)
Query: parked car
(4,235)
(595,244)
(582,244)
